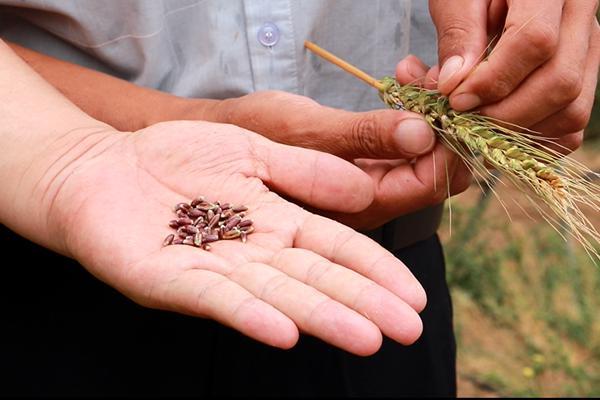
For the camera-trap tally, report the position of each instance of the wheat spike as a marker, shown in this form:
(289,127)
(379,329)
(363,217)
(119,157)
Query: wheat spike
(545,176)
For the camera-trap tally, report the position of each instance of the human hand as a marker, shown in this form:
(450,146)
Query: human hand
(542,72)
(401,186)
(297,271)
(397,149)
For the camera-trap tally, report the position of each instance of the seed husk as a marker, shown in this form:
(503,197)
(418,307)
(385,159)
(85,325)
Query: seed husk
(202,222)
(182,206)
(210,214)
(214,221)
(210,238)
(232,234)
(195,213)
(228,213)
(197,200)
(247,229)
(198,238)
(246,222)
(191,229)
(182,232)
(232,222)
(168,240)
(184,221)
(182,213)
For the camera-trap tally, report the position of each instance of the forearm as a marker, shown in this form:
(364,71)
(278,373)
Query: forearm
(41,134)
(121,104)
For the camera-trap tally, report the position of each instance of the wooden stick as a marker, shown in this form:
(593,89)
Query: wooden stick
(343,65)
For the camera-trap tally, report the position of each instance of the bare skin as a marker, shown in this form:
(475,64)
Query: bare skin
(78,186)
(380,142)
(543,71)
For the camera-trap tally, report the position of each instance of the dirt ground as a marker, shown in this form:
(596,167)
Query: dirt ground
(492,360)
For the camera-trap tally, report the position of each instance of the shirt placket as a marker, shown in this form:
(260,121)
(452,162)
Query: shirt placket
(271,45)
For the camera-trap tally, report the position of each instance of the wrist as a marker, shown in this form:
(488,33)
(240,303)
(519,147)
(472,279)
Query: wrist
(35,181)
(167,107)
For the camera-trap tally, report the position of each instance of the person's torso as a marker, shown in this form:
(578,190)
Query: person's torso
(220,49)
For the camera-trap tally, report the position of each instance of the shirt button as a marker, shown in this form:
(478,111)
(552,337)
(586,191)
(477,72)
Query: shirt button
(268,34)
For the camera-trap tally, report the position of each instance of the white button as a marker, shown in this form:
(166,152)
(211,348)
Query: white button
(268,34)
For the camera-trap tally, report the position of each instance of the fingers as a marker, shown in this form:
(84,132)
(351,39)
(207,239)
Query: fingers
(462,38)
(380,134)
(394,317)
(313,311)
(530,38)
(430,180)
(312,177)
(558,82)
(344,246)
(411,71)
(168,283)
(300,121)
(400,191)
(576,115)
(432,78)
(260,301)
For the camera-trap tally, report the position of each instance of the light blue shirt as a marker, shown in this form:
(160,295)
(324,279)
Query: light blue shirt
(228,48)
(212,48)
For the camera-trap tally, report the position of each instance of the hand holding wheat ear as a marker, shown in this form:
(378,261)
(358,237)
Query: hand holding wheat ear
(543,175)
(539,70)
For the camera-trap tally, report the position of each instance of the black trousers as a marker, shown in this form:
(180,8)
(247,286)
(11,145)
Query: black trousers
(65,333)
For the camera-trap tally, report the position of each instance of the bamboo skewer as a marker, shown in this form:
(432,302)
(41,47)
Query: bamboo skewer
(343,65)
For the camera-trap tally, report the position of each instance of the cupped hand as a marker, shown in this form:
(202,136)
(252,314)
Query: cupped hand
(397,149)
(542,71)
(297,272)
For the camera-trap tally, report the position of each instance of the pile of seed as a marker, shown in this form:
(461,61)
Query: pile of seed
(202,222)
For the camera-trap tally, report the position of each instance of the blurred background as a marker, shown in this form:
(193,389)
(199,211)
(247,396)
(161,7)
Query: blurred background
(526,303)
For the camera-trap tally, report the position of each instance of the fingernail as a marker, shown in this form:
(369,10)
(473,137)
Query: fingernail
(465,101)
(414,136)
(415,70)
(450,67)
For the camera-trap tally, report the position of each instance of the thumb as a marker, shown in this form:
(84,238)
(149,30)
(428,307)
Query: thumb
(462,38)
(300,121)
(386,134)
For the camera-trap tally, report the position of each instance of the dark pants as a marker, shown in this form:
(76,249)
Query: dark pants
(66,333)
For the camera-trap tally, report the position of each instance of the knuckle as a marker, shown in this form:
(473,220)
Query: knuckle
(541,39)
(451,37)
(364,136)
(577,116)
(568,84)
(500,87)
(572,142)
(439,196)
(438,192)
(463,184)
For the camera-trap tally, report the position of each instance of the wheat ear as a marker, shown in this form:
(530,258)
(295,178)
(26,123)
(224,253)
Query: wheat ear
(524,158)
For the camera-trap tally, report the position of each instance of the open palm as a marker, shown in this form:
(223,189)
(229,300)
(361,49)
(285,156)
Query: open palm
(297,271)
